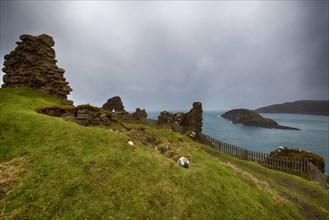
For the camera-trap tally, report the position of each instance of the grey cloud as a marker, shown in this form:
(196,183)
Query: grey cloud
(165,55)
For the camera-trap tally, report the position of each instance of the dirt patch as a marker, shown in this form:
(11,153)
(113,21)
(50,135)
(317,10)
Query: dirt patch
(262,185)
(9,174)
(143,136)
(9,180)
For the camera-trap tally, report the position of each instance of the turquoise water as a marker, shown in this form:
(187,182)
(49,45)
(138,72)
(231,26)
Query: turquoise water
(314,134)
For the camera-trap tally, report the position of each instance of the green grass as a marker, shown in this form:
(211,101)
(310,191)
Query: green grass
(55,169)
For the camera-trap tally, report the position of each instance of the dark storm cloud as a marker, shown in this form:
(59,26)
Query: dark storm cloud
(315,54)
(165,55)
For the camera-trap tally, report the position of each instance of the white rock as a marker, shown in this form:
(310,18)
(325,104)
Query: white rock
(131,143)
(183,161)
(192,134)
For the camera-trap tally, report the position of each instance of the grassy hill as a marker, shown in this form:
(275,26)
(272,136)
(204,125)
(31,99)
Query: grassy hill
(55,169)
(310,107)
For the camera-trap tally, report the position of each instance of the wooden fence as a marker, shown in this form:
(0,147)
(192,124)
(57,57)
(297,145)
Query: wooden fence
(316,175)
(233,150)
(296,164)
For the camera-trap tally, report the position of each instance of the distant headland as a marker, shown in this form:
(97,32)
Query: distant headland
(251,118)
(309,107)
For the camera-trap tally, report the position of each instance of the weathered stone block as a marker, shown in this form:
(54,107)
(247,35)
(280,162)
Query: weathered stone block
(83,116)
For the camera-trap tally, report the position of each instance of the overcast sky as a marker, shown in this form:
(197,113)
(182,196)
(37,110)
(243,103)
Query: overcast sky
(164,55)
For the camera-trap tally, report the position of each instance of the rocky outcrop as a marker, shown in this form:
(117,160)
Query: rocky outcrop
(33,64)
(139,114)
(114,104)
(251,118)
(190,121)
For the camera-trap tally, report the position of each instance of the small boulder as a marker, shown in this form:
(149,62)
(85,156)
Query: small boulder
(164,149)
(183,161)
(191,134)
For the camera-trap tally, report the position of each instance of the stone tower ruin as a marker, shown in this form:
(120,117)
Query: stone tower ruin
(33,64)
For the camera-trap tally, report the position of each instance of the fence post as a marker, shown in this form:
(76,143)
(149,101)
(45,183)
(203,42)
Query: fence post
(295,164)
(305,163)
(308,166)
(300,165)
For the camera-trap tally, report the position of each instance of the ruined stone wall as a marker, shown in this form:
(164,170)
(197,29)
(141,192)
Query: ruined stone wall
(33,64)
(139,114)
(193,119)
(82,114)
(114,104)
(190,121)
(171,118)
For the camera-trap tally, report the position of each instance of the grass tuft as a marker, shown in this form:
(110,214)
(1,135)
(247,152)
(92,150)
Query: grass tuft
(9,173)
(262,185)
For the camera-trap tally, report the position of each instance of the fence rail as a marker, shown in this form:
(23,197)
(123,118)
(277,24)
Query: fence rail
(316,175)
(296,164)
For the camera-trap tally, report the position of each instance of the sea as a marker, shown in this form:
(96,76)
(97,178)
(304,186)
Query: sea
(313,136)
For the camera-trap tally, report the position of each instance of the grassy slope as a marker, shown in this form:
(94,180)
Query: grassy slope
(67,171)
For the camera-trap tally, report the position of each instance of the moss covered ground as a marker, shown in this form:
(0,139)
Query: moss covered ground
(54,169)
